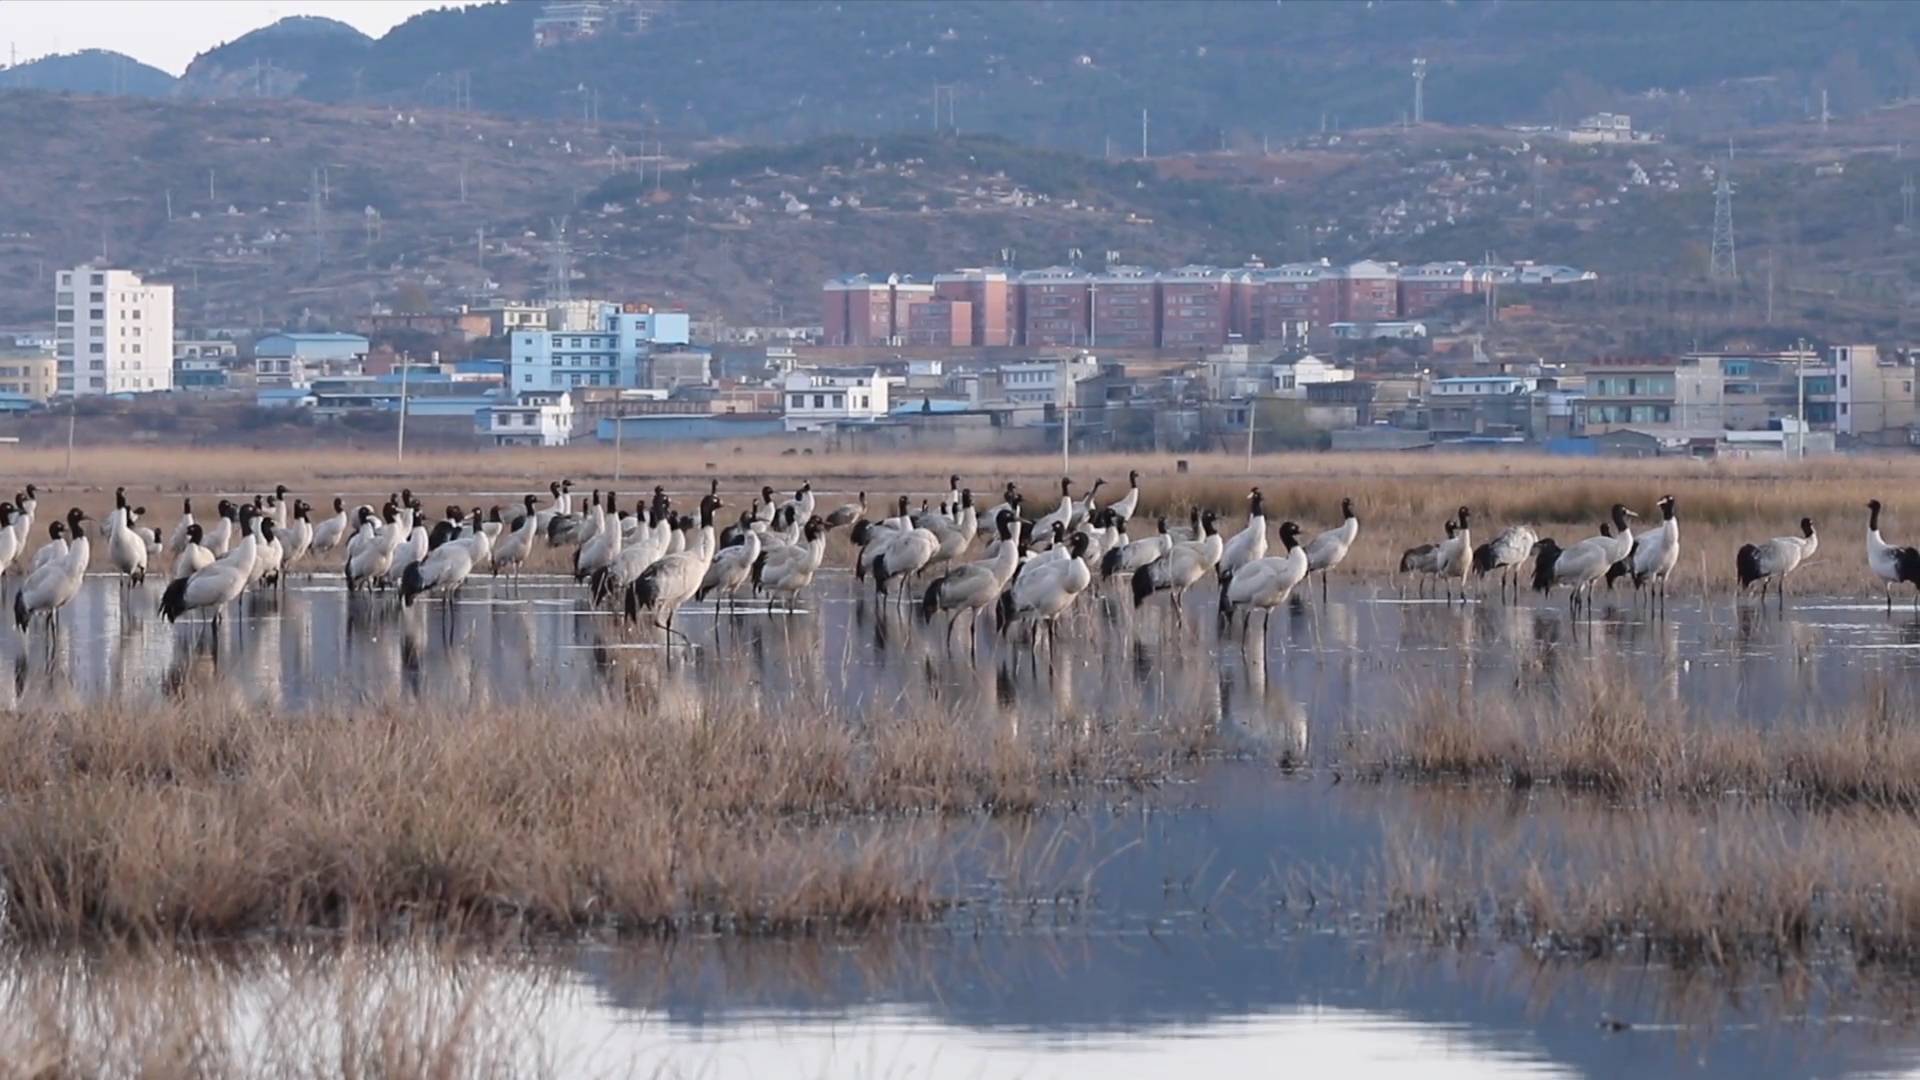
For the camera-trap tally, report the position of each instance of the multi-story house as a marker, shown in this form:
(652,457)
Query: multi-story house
(818,398)
(613,355)
(1055,304)
(1196,307)
(1125,303)
(540,418)
(113,332)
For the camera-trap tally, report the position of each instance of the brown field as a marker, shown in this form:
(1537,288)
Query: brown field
(1402,500)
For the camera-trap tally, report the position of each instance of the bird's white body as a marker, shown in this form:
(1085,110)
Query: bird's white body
(730,567)
(789,569)
(328,534)
(1247,545)
(126,549)
(191,559)
(49,588)
(1266,583)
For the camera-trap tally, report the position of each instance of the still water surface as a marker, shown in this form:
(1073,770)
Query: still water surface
(1178,957)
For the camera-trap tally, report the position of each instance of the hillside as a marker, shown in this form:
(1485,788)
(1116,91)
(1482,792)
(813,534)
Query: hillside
(91,71)
(749,233)
(1072,75)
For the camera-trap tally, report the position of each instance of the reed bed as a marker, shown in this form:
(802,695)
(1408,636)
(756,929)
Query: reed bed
(200,820)
(1727,887)
(1590,727)
(405,1012)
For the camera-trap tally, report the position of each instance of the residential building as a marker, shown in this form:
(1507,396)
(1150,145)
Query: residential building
(990,291)
(1033,383)
(1641,392)
(1292,376)
(940,322)
(613,355)
(1426,288)
(1296,294)
(859,310)
(1055,304)
(578,316)
(1368,291)
(29,373)
(672,367)
(506,316)
(1125,308)
(1873,393)
(467,325)
(1196,307)
(113,332)
(294,359)
(820,398)
(1479,405)
(539,418)
(201,372)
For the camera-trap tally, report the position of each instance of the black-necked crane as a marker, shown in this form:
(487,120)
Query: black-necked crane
(672,580)
(1577,567)
(1265,583)
(192,557)
(177,539)
(370,553)
(785,572)
(1505,553)
(730,568)
(1455,556)
(848,513)
(1130,556)
(902,555)
(9,540)
(1423,560)
(1184,565)
(970,589)
(60,535)
(1655,554)
(1084,508)
(1123,508)
(1892,564)
(332,532)
(440,573)
(216,585)
(1247,545)
(1330,548)
(51,586)
(1039,593)
(513,547)
(126,549)
(1774,559)
(25,503)
(1043,528)
(297,535)
(219,538)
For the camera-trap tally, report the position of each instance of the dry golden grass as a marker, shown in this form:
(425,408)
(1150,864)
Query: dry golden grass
(1592,727)
(1725,886)
(201,820)
(408,1012)
(1402,500)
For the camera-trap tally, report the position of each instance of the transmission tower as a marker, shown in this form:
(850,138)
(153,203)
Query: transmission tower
(316,220)
(560,274)
(1723,267)
(1419,90)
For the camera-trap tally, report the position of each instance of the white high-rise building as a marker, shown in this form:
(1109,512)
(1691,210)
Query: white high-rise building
(113,333)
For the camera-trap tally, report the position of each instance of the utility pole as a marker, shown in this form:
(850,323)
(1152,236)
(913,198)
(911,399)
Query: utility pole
(1253,413)
(400,448)
(1066,428)
(1419,91)
(73,404)
(1143,134)
(1800,369)
(619,429)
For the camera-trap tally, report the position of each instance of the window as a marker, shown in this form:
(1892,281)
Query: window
(1843,408)
(839,401)
(96,314)
(136,348)
(797,401)
(63,315)
(97,348)
(1843,380)
(819,401)
(98,279)
(135,313)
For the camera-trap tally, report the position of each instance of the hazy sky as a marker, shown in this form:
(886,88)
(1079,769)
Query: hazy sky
(168,33)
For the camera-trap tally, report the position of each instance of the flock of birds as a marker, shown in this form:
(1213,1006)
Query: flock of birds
(655,559)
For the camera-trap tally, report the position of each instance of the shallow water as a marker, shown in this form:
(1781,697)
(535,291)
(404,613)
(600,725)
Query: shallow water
(1174,948)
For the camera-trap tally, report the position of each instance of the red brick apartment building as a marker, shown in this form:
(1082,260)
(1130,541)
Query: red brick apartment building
(1126,310)
(1055,304)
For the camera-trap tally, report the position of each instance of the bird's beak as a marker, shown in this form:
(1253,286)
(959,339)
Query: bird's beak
(1632,514)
